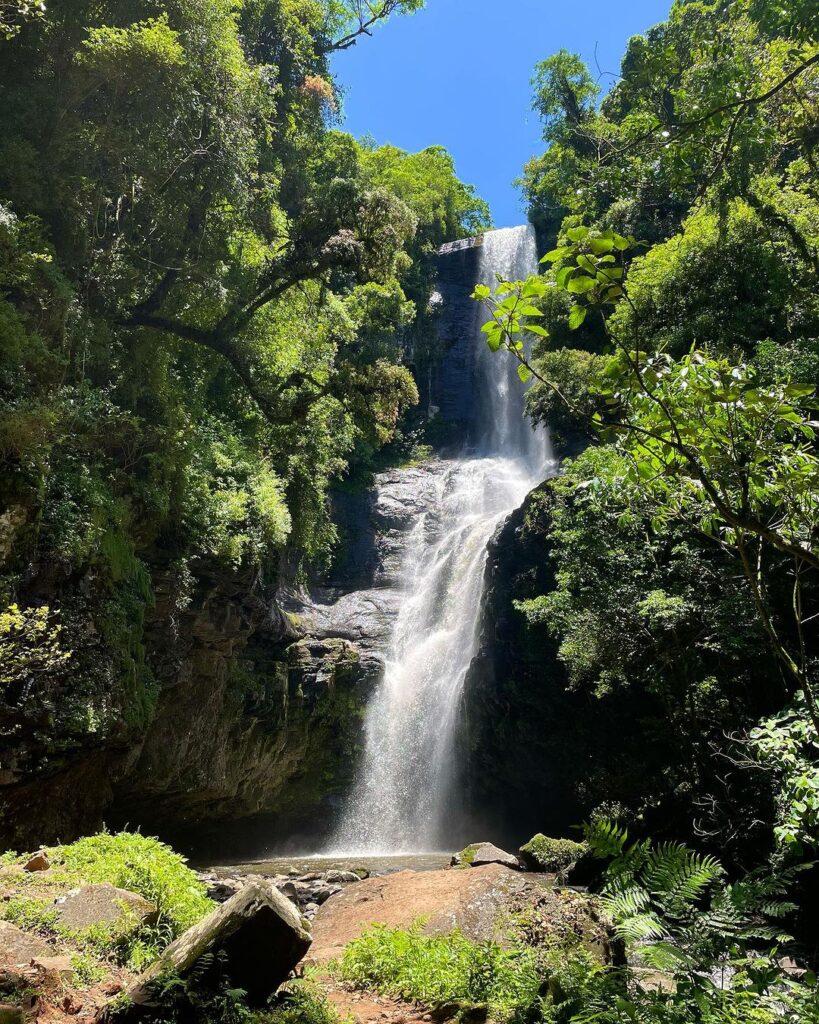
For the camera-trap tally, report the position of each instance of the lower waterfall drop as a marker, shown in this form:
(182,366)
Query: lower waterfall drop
(404,798)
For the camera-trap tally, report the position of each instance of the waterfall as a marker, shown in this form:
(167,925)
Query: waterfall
(404,795)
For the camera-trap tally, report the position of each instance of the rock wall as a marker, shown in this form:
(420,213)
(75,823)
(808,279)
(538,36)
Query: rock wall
(253,717)
(447,382)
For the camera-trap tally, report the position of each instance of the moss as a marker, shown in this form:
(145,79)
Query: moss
(465,858)
(542,853)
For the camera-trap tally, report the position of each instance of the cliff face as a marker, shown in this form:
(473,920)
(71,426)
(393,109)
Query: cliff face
(520,726)
(251,716)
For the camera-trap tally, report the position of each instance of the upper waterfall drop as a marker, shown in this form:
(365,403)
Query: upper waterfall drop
(510,253)
(404,799)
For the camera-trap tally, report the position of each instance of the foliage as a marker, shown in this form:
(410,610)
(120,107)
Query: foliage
(142,865)
(302,1002)
(787,746)
(441,969)
(14,14)
(207,297)
(714,448)
(29,646)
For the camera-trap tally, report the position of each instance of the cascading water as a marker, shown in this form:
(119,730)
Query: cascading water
(403,798)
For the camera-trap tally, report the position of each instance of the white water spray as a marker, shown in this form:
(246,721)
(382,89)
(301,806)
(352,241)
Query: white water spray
(404,796)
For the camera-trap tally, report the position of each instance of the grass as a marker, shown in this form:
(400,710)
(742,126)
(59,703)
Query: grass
(126,860)
(440,970)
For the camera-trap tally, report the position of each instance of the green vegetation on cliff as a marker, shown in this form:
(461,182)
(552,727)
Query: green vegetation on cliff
(208,296)
(675,335)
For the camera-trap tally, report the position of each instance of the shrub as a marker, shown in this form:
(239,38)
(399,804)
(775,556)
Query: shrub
(441,969)
(302,1002)
(142,865)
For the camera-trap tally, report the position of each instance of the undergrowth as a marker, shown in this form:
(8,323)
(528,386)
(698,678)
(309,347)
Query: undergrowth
(444,969)
(128,861)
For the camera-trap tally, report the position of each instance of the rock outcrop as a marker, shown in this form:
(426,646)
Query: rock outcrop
(481,902)
(103,903)
(259,935)
(19,947)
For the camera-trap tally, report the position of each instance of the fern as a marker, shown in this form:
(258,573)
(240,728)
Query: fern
(675,906)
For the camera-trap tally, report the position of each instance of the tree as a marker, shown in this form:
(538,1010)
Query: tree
(734,458)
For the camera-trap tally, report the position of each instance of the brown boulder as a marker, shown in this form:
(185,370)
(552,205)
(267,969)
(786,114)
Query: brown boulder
(39,862)
(482,902)
(478,854)
(19,947)
(103,903)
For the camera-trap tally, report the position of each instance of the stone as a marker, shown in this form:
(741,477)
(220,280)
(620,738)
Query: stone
(103,903)
(544,854)
(322,893)
(19,947)
(259,931)
(54,969)
(289,890)
(39,862)
(341,877)
(479,854)
(223,888)
(11,1014)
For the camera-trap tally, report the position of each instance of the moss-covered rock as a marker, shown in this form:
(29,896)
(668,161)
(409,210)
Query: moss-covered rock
(542,853)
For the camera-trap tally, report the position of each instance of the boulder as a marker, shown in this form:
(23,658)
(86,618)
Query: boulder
(103,903)
(19,947)
(476,855)
(11,1014)
(38,862)
(341,877)
(260,933)
(289,890)
(482,903)
(544,854)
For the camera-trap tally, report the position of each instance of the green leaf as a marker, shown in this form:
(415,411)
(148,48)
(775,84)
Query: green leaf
(537,329)
(524,372)
(577,316)
(530,311)
(481,292)
(563,276)
(600,246)
(577,234)
(580,285)
(557,254)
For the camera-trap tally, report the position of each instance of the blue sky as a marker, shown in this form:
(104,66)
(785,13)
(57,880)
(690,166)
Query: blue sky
(457,74)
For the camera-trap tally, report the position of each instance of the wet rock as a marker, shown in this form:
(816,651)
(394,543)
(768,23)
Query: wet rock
(322,893)
(39,862)
(19,947)
(222,889)
(260,934)
(479,854)
(103,904)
